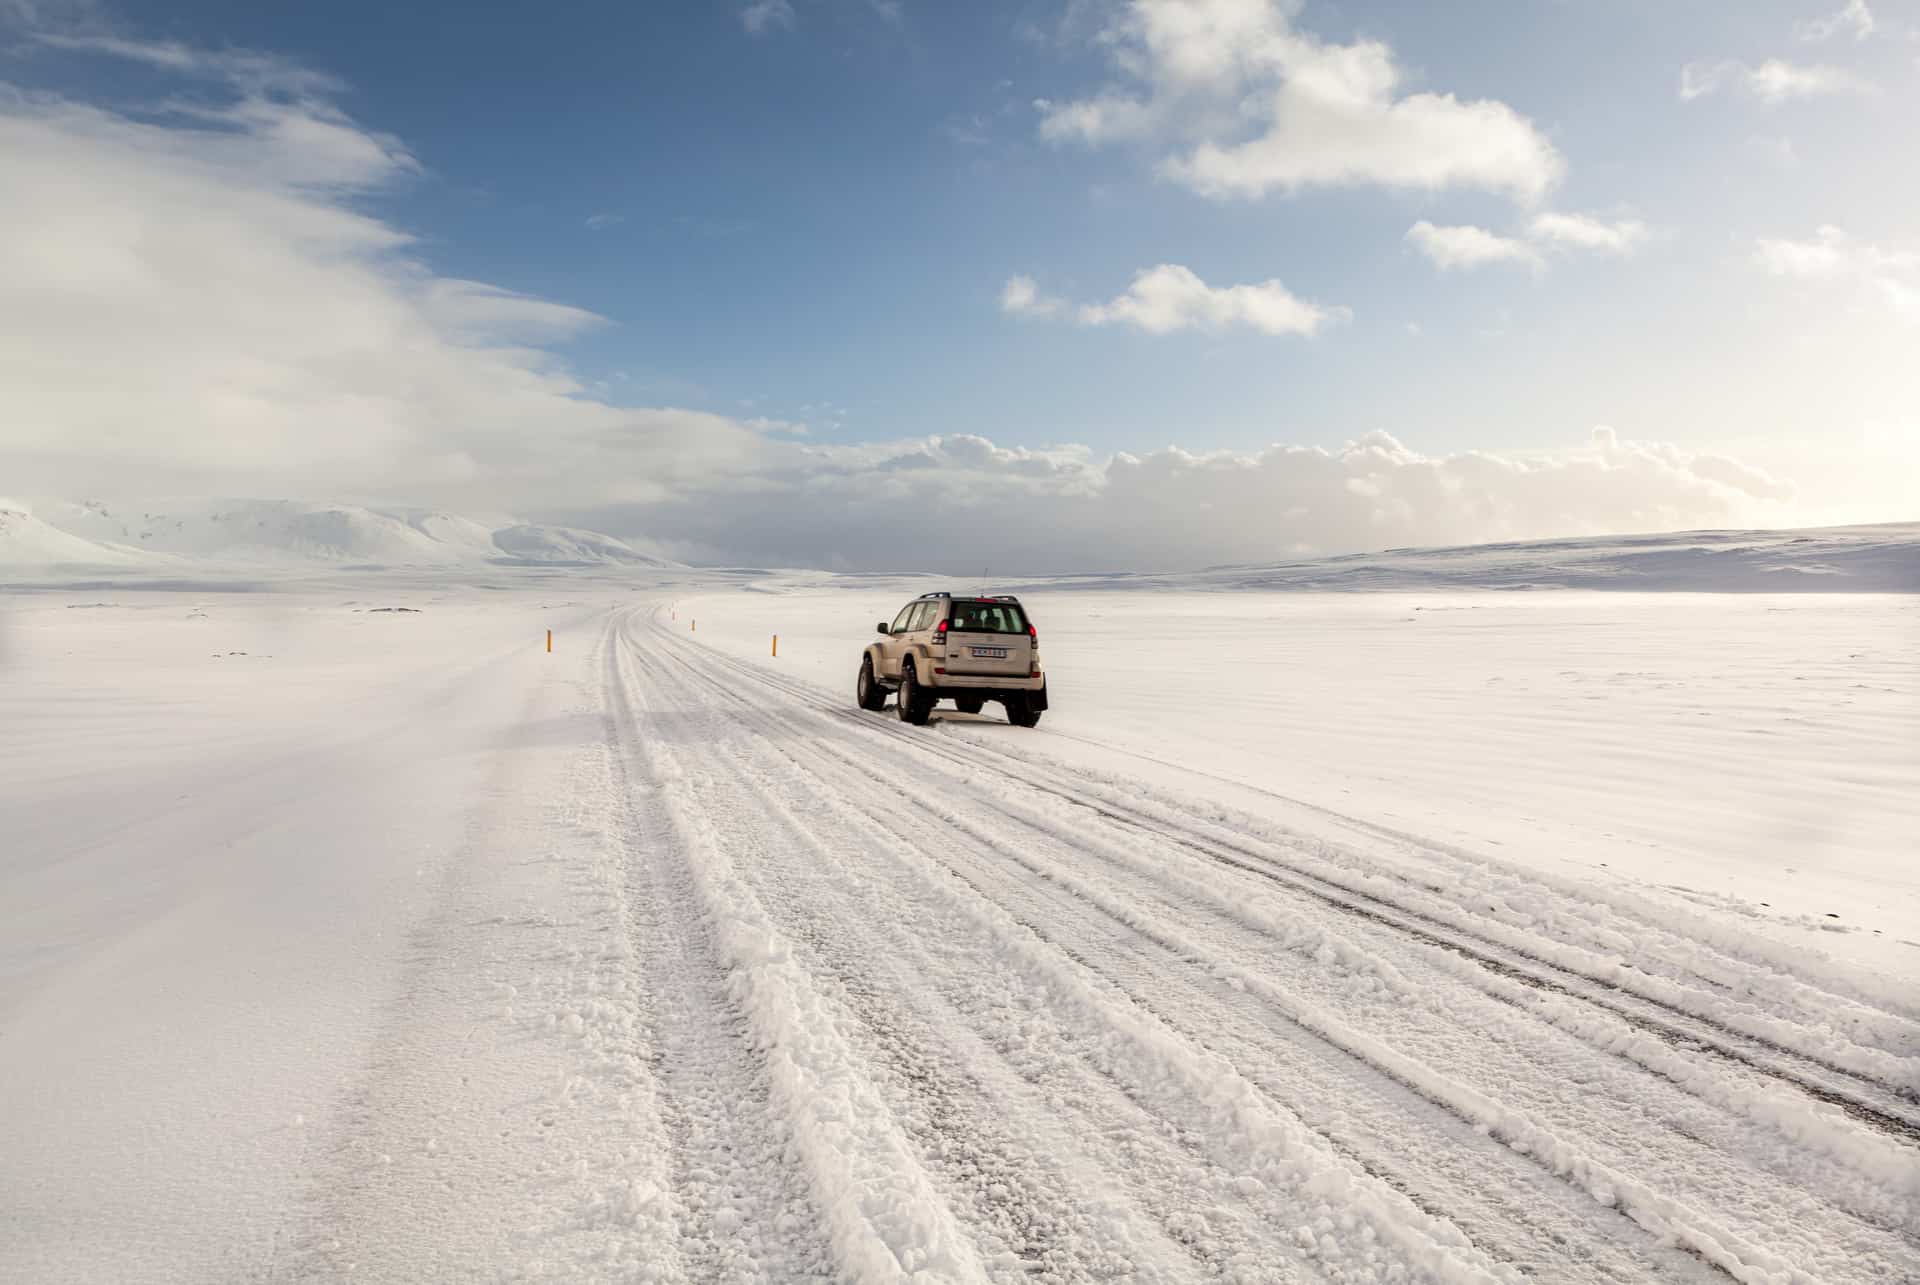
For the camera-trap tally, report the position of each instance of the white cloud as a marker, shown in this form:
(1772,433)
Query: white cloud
(762,16)
(1021,297)
(196,304)
(601,222)
(250,70)
(1470,247)
(1451,247)
(1253,105)
(1169,297)
(1854,17)
(1584,232)
(1063,509)
(1773,81)
(1891,275)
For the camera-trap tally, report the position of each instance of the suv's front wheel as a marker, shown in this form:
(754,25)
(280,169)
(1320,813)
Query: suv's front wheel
(866,690)
(916,703)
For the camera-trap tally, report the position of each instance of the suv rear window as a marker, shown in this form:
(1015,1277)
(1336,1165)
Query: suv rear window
(986,618)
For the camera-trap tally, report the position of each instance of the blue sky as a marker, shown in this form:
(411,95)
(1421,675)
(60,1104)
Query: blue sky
(812,214)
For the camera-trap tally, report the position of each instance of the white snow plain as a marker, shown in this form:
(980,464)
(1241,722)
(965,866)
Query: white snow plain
(1400,936)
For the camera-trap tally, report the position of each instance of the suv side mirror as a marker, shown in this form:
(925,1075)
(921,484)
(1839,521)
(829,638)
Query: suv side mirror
(883,628)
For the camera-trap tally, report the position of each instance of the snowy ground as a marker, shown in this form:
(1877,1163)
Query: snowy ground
(1447,937)
(1756,754)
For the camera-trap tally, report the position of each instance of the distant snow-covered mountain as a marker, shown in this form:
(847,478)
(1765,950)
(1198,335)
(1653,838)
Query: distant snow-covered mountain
(569,545)
(103,534)
(29,540)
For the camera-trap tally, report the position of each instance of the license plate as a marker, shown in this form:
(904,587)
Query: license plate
(990,653)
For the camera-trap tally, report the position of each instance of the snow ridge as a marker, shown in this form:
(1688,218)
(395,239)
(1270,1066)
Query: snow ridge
(886,1219)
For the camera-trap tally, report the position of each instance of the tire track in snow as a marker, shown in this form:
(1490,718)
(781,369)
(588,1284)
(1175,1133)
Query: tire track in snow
(1052,1228)
(1878,1101)
(922,746)
(741,1210)
(1819,989)
(881,1218)
(1277,1165)
(1666,1216)
(1089,1233)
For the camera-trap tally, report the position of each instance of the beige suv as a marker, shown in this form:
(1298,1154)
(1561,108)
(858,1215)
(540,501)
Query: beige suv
(969,650)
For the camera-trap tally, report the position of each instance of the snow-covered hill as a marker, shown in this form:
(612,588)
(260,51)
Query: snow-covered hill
(97,533)
(1856,559)
(561,545)
(29,540)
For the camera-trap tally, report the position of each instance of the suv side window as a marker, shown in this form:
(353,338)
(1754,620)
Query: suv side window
(923,618)
(906,614)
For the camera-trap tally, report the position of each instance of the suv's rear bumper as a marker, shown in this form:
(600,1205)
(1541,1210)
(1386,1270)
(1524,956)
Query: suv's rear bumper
(985,682)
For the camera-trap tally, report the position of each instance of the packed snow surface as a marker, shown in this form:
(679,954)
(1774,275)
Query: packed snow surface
(346,932)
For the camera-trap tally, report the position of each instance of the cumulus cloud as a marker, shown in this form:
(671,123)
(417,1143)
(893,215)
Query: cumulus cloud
(1470,247)
(1890,274)
(1169,297)
(1467,246)
(1620,237)
(1063,509)
(1251,105)
(1853,18)
(763,16)
(1772,82)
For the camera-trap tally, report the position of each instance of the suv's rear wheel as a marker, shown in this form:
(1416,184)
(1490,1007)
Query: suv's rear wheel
(968,704)
(916,703)
(1020,712)
(866,690)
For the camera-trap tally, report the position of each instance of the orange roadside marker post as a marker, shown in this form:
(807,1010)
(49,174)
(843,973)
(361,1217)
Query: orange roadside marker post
(549,641)
(776,646)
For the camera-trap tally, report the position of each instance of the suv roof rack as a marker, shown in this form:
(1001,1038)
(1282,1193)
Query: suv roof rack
(972,597)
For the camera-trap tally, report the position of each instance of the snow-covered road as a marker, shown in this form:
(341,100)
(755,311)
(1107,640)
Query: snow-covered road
(1010,1019)
(724,979)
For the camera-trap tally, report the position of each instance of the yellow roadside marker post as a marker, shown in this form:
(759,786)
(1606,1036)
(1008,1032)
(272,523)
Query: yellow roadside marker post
(549,641)
(776,646)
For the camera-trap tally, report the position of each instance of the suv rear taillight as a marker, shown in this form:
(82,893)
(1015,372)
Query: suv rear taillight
(941,629)
(1033,632)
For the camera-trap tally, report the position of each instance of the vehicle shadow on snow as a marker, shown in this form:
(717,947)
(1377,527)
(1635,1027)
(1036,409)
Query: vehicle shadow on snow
(989,718)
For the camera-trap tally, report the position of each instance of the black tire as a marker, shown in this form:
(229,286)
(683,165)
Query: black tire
(866,689)
(915,703)
(968,704)
(1021,713)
